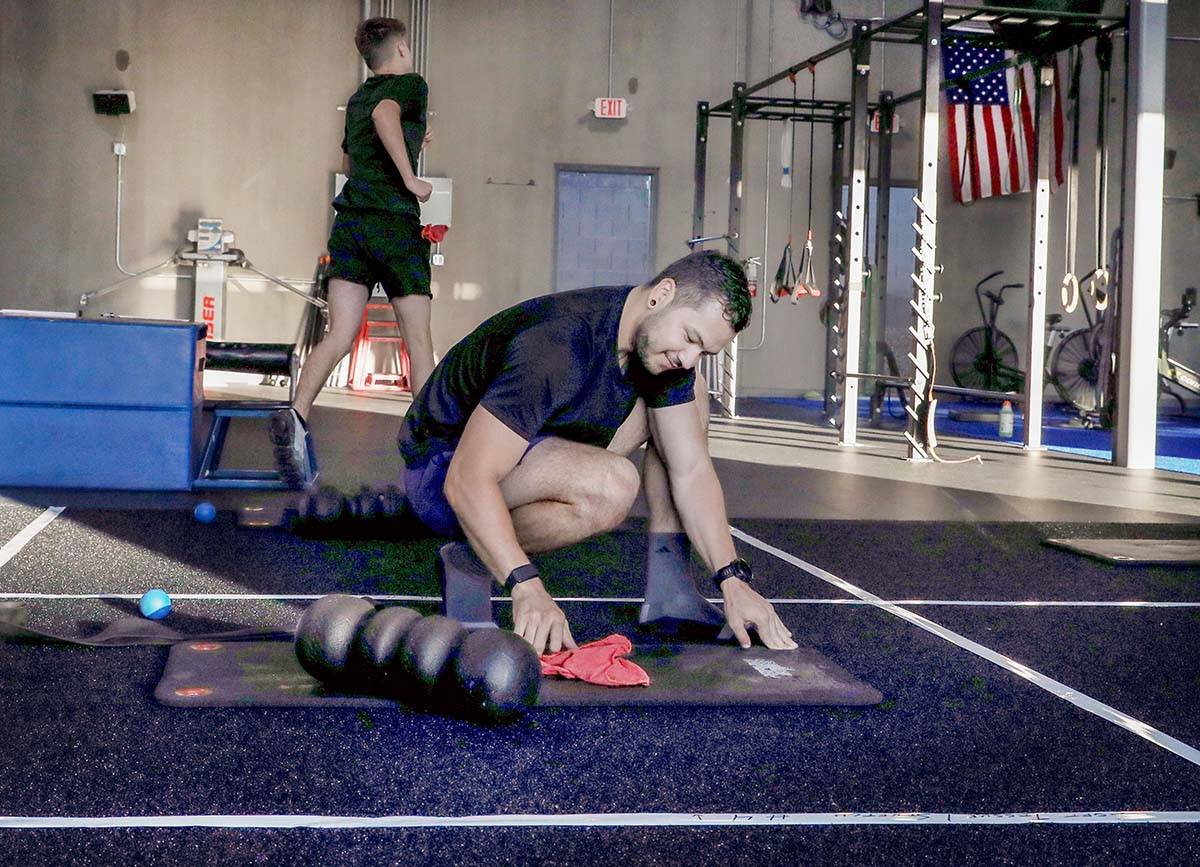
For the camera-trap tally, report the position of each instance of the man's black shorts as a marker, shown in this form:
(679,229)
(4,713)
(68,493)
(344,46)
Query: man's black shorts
(370,247)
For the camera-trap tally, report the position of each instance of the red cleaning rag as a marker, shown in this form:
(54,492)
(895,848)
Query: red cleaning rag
(598,662)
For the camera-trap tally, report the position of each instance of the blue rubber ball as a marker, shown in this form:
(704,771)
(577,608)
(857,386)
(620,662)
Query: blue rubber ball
(155,604)
(205,512)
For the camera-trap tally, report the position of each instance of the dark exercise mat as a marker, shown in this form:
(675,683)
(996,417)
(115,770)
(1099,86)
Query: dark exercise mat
(125,632)
(266,674)
(1132,552)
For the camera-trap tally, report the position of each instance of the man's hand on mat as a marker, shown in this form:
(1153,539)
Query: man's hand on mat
(538,619)
(744,609)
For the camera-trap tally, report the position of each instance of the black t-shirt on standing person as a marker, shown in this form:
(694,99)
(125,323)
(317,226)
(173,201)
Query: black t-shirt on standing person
(547,367)
(374,183)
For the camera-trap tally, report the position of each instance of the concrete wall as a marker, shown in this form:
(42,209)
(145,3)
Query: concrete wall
(517,102)
(237,119)
(512,121)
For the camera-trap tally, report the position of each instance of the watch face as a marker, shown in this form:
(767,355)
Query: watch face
(739,568)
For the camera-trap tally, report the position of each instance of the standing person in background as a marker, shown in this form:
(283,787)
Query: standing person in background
(376,236)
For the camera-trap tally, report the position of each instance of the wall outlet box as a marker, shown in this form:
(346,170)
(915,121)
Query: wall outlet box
(113,102)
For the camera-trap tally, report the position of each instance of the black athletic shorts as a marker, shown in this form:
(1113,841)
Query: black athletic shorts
(370,247)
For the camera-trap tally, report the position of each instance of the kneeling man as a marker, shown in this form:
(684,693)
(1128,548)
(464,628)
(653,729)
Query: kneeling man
(520,440)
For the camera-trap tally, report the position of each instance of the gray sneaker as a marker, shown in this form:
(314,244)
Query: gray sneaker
(289,438)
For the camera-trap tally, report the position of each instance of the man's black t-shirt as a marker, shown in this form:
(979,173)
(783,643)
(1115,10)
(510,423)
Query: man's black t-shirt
(374,183)
(548,367)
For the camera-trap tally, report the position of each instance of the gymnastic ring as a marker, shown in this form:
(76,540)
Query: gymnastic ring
(1099,288)
(1070,293)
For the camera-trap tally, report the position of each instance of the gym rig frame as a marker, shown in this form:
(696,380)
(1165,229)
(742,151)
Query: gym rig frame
(1135,371)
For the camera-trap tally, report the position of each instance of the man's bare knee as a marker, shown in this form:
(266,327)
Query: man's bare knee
(612,493)
(418,341)
(342,333)
(340,344)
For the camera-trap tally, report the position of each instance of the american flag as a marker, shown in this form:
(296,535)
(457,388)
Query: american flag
(991,127)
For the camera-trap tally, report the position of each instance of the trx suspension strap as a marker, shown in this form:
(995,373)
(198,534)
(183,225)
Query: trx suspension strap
(1099,278)
(1070,282)
(806,282)
(785,274)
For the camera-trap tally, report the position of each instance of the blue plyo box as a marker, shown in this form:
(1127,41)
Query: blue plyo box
(100,403)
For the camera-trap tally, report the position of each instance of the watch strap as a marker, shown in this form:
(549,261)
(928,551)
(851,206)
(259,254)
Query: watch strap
(739,568)
(522,573)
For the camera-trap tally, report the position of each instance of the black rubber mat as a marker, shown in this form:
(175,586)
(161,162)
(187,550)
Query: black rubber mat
(266,673)
(125,632)
(1134,551)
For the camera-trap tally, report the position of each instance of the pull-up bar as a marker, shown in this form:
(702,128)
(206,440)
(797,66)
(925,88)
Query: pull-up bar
(812,61)
(986,14)
(1017,59)
(795,110)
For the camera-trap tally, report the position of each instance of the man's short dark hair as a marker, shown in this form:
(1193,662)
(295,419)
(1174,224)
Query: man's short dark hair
(374,37)
(707,275)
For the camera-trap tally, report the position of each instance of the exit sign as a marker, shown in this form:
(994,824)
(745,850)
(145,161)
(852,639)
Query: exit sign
(609,106)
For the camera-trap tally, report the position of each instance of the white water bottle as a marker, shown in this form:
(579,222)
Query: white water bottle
(1006,420)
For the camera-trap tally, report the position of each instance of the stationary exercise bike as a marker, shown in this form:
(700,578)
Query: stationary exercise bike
(1078,361)
(1172,372)
(985,357)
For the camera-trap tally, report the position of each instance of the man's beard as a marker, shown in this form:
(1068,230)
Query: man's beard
(642,341)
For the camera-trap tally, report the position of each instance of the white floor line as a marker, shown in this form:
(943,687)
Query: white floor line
(220,597)
(14,545)
(1052,686)
(606,820)
(1036,603)
(633,600)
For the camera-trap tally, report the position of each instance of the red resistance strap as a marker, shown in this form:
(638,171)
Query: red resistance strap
(434,234)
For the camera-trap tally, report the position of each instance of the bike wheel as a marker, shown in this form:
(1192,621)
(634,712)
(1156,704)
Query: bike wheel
(972,365)
(1075,371)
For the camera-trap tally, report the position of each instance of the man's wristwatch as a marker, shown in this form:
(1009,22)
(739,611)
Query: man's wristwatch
(739,568)
(522,573)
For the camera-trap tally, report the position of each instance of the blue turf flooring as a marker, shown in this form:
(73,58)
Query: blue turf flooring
(1178,435)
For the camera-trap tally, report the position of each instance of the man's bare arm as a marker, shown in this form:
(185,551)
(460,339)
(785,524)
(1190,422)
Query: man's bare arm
(388,126)
(486,453)
(681,441)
